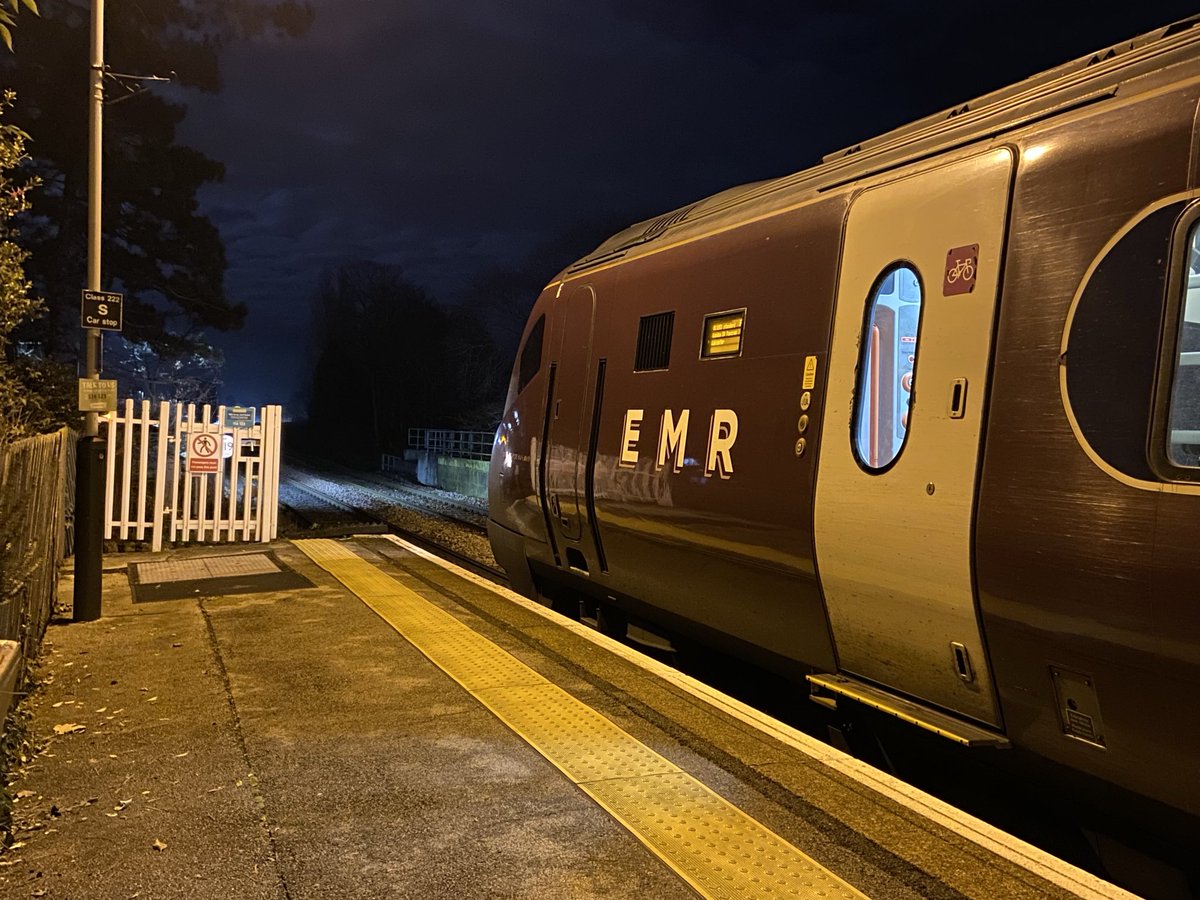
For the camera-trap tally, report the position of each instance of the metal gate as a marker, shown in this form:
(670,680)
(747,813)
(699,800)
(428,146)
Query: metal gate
(150,493)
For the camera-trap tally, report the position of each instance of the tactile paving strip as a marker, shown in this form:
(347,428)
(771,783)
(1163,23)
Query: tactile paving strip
(713,845)
(724,852)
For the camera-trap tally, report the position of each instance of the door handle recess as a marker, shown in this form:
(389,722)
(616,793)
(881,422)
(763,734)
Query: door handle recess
(958,398)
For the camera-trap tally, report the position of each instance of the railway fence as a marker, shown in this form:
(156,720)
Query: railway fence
(453,444)
(444,458)
(37,509)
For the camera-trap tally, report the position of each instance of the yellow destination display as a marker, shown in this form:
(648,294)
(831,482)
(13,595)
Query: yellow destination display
(723,334)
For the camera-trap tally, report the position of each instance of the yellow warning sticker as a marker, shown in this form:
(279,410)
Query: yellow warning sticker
(810,373)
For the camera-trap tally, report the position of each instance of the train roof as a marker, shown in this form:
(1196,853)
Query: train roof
(1089,79)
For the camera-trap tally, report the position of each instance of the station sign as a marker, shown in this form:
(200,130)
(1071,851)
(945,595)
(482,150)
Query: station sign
(101,309)
(204,452)
(97,395)
(239,417)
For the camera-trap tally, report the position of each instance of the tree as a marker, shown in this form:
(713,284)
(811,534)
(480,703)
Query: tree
(502,296)
(8,9)
(192,377)
(388,358)
(18,415)
(158,250)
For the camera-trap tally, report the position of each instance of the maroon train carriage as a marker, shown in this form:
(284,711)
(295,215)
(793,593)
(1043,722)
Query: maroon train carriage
(920,425)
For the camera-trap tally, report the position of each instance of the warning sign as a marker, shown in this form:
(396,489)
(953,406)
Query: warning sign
(810,373)
(203,453)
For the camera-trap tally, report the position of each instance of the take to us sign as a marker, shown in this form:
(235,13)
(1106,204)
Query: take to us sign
(97,395)
(203,452)
(101,309)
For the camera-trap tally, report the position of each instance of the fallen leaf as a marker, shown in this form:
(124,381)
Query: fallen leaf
(68,728)
(111,815)
(158,845)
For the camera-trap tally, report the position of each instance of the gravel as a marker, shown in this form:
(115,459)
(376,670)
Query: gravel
(454,521)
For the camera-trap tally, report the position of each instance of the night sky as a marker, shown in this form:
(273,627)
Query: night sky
(455,136)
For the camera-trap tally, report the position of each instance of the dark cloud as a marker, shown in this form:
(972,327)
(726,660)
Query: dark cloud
(450,138)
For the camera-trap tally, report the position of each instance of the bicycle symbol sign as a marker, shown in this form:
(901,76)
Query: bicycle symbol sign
(204,452)
(961,265)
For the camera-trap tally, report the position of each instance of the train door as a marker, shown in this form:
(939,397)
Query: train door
(908,367)
(574,315)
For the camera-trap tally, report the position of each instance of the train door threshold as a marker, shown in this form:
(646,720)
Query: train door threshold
(914,713)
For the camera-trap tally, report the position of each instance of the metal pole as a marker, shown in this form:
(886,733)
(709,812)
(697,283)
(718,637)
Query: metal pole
(89,484)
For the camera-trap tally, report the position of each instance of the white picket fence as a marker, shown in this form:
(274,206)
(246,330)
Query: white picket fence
(150,493)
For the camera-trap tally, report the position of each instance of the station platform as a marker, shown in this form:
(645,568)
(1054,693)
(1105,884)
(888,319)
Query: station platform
(357,719)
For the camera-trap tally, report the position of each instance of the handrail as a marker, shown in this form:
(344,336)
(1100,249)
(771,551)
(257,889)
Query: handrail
(446,442)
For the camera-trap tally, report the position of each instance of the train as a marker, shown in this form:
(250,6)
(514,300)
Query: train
(917,427)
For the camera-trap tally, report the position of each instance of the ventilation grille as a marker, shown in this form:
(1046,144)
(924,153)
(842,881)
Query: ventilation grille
(654,342)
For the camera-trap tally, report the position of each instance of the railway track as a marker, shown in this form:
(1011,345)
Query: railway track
(319,502)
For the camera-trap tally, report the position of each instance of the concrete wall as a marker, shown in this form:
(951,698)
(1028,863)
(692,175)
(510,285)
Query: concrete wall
(463,476)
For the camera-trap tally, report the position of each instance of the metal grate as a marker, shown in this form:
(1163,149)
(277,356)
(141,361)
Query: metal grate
(654,342)
(205,567)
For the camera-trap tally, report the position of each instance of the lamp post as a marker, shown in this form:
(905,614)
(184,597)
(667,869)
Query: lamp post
(89,464)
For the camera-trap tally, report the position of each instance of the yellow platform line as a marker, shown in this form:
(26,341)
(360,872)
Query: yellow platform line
(709,842)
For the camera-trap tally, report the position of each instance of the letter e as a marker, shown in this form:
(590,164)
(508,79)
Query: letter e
(629,454)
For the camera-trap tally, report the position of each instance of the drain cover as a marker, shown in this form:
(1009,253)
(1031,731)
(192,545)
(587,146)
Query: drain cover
(212,576)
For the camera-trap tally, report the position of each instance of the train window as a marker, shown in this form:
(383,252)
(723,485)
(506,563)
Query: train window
(654,342)
(531,354)
(886,365)
(1183,417)
(723,334)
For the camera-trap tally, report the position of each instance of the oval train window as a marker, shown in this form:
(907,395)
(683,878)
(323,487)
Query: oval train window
(1183,434)
(886,365)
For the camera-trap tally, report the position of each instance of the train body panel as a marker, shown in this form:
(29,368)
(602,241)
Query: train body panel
(716,424)
(1074,578)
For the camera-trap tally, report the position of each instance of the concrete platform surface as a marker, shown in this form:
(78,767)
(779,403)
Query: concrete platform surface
(260,739)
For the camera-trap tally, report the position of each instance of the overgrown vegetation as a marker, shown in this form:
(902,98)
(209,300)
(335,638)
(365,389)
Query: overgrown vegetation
(157,248)
(388,358)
